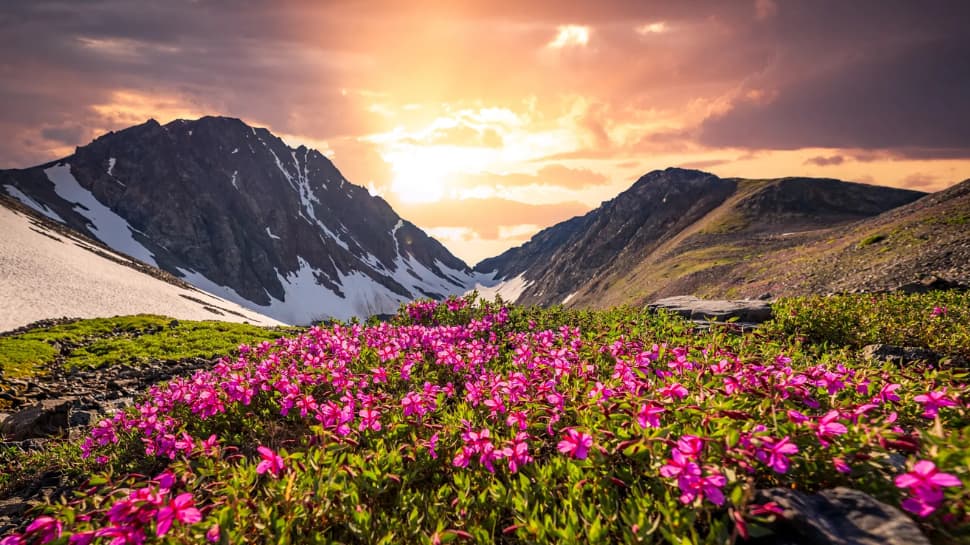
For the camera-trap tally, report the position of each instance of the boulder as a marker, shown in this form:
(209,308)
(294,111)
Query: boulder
(42,419)
(930,283)
(839,516)
(899,355)
(691,307)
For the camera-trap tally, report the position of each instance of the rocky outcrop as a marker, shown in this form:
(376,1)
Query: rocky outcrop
(840,516)
(693,308)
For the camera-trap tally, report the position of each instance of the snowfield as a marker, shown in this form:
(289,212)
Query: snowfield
(44,274)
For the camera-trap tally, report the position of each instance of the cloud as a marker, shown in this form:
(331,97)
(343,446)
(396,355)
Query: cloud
(911,100)
(553,175)
(922,182)
(570,35)
(700,165)
(486,217)
(824,161)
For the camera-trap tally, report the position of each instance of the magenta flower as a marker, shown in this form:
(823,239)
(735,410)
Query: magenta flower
(775,453)
(46,529)
(370,418)
(925,483)
(12,539)
(271,462)
(674,391)
(575,443)
(678,465)
(212,534)
(932,401)
(888,393)
(649,415)
(938,311)
(693,486)
(828,427)
(182,509)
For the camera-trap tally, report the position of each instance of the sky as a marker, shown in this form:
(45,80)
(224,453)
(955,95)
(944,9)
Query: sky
(485,121)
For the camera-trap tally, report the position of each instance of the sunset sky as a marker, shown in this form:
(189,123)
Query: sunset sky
(484,121)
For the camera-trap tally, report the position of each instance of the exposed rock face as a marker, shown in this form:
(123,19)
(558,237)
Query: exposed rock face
(682,231)
(840,516)
(235,211)
(753,312)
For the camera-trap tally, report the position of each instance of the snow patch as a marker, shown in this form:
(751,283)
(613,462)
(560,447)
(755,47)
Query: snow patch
(106,226)
(271,235)
(111,166)
(234,151)
(306,301)
(27,201)
(569,297)
(235,176)
(510,289)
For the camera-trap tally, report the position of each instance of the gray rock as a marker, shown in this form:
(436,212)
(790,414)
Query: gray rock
(42,419)
(840,516)
(898,354)
(719,310)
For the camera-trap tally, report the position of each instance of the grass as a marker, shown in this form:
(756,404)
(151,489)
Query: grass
(126,339)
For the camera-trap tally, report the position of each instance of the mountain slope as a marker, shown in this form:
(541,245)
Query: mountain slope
(48,271)
(235,211)
(683,232)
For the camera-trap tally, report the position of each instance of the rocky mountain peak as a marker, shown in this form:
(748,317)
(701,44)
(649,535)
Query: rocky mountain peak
(236,211)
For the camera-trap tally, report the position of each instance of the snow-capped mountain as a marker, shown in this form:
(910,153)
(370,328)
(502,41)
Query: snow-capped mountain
(234,211)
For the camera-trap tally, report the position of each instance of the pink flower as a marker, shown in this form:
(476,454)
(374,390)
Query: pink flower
(12,539)
(828,427)
(775,453)
(649,415)
(181,509)
(45,528)
(925,483)
(575,443)
(925,474)
(932,401)
(674,391)
(370,418)
(678,465)
(271,462)
(938,311)
(841,466)
(693,486)
(212,534)
(888,393)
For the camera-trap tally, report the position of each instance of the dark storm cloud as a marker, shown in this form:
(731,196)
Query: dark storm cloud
(823,161)
(894,77)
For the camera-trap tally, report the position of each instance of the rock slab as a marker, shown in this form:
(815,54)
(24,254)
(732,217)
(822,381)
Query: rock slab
(839,516)
(41,419)
(748,311)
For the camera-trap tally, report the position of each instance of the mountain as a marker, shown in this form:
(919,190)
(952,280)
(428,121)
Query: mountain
(680,231)
(47,270)
(233,210)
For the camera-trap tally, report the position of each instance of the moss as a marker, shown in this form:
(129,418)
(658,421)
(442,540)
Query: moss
(871,239)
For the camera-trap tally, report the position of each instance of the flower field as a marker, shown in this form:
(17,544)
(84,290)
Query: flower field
(479,422)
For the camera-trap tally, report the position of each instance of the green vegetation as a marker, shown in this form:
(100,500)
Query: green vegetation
(126,339)
(871,239)
(939,321)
